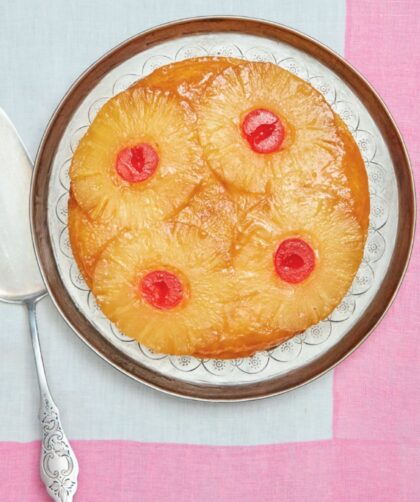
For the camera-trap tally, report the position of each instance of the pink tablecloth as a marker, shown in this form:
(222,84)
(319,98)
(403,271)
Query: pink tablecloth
(374,452)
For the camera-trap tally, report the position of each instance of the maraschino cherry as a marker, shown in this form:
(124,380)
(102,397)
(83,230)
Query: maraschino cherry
(263,130)
(137,163)
(294,260)
(161,289)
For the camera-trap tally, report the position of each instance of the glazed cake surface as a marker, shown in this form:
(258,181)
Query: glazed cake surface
(218,207)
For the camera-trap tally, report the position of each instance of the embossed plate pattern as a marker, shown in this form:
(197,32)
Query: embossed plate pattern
(305,356)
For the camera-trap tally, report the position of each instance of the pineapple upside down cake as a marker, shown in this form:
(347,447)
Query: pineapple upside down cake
(218,207)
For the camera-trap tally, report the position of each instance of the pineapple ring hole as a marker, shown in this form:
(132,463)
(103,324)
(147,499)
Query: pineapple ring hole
(263,130)
(294,260)
(137,163)
(161,289)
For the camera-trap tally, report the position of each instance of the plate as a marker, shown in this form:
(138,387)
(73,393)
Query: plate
(307,355)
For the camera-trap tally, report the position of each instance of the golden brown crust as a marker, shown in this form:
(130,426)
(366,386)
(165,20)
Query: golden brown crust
(354,169)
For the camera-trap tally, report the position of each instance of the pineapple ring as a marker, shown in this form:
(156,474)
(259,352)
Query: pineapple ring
(87,238)
(135,117)
(184,251)
(311,144)
(315,194)
(337,241)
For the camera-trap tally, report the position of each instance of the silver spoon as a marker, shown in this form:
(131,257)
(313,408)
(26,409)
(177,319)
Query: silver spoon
(20,282)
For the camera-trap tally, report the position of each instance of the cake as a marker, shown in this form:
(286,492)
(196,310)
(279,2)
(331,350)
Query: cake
(218,207)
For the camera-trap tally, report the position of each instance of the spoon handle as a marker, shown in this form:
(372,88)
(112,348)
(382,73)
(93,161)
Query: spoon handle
(59,467)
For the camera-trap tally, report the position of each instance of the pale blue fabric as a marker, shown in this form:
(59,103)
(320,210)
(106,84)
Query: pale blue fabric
(44,46)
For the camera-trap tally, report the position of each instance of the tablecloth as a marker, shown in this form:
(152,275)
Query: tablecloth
(353,435)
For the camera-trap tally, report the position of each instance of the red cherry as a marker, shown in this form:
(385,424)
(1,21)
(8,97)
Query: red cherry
(294,260)
(137,163)
(161,289)
(263,130)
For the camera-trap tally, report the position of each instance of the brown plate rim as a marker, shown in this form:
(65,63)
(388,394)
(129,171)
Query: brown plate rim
(81,325)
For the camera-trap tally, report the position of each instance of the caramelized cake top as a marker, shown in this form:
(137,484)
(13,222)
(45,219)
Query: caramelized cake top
(217,208)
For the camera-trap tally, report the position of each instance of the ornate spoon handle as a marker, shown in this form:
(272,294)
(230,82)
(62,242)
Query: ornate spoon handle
(59,467)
